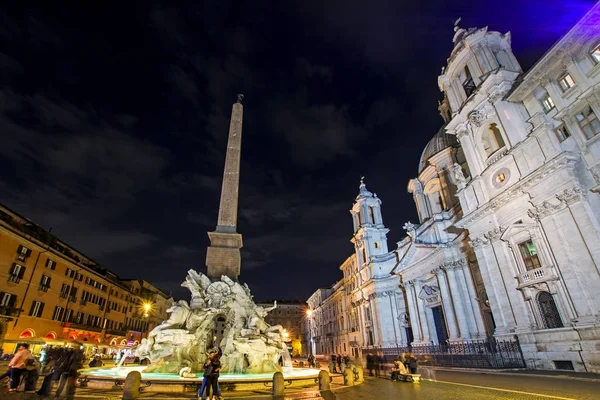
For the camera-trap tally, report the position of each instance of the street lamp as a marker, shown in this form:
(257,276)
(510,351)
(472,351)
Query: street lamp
(147,307)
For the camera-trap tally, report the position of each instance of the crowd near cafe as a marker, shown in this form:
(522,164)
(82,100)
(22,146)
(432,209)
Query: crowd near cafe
(108,346)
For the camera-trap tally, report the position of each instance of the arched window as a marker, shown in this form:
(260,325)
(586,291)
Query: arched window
(550,315)
(492,139)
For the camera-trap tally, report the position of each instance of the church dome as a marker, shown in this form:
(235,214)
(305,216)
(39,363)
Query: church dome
(439,142)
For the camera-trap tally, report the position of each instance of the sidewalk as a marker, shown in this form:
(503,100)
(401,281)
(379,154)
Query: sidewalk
(557,374)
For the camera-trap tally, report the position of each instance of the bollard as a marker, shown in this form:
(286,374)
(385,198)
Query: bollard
(324,386)
(348,377)
(131,387)
(278,384)
(358,373)
(324,383)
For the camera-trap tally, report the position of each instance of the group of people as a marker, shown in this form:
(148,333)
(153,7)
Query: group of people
(406,363)
(210,383)
(23,368)
(338,360)
(63,365)
(374,362)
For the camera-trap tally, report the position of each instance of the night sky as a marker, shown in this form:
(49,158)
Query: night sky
(114,122)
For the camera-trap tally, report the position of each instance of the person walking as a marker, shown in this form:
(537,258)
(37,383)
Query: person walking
(54,364)
(376,364)
(370,364)
(72,362)
(17,366)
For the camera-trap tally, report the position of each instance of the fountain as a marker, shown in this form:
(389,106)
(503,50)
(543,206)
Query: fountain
(177,348)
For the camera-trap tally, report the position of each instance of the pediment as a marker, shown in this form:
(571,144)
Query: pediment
(415,254)
(515,229)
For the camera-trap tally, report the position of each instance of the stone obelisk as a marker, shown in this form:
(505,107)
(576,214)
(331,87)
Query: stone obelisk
(223,254)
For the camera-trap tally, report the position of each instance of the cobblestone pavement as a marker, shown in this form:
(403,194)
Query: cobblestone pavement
(438,385)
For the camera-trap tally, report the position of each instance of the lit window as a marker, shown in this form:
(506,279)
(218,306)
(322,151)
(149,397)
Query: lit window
(566,82)
(548,103)
(562,133)
(50,264)
(529,255)
(595,53)
(588,121)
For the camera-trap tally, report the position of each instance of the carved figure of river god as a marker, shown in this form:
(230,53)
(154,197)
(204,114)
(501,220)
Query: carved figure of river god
(248,343)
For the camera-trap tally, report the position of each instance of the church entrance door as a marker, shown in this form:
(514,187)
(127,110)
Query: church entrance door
(440,324)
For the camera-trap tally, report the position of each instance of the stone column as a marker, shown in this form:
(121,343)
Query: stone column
(470,151)
(447,304)
(375,320)
(422,314)
(460,300)
(492,280)
(413,311)
(465,275)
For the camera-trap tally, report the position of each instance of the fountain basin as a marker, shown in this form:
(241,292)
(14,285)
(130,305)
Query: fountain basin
(114,377)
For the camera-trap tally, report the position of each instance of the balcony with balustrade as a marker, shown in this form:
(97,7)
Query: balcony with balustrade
(537,275)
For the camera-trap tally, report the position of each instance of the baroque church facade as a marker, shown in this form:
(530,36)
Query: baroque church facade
(508,198)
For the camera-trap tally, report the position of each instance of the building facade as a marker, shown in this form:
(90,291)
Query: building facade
(52,294)
(289,314)
(507,246)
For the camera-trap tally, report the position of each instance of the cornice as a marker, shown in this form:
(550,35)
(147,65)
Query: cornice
(561,52)
(562,161)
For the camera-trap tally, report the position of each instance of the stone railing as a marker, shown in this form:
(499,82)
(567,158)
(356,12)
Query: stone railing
(537,275)
(496,156)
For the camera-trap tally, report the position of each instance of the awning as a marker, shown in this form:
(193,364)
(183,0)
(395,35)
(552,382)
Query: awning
(29,340)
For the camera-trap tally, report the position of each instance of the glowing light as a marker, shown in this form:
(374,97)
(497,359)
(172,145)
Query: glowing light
(309,313)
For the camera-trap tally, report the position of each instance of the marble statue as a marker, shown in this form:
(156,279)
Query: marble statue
(459,176)
(181,343)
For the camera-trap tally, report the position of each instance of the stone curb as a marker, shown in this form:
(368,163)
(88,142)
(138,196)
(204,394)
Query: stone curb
(509,372)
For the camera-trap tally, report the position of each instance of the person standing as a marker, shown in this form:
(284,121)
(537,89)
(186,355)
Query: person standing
(376,364)
(17,366)
(370,364)
(214,376)
(412,363)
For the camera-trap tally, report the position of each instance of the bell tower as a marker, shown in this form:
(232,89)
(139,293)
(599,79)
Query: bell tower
(370,235)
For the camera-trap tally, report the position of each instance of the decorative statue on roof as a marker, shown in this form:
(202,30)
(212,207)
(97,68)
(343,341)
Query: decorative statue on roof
(247,342)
